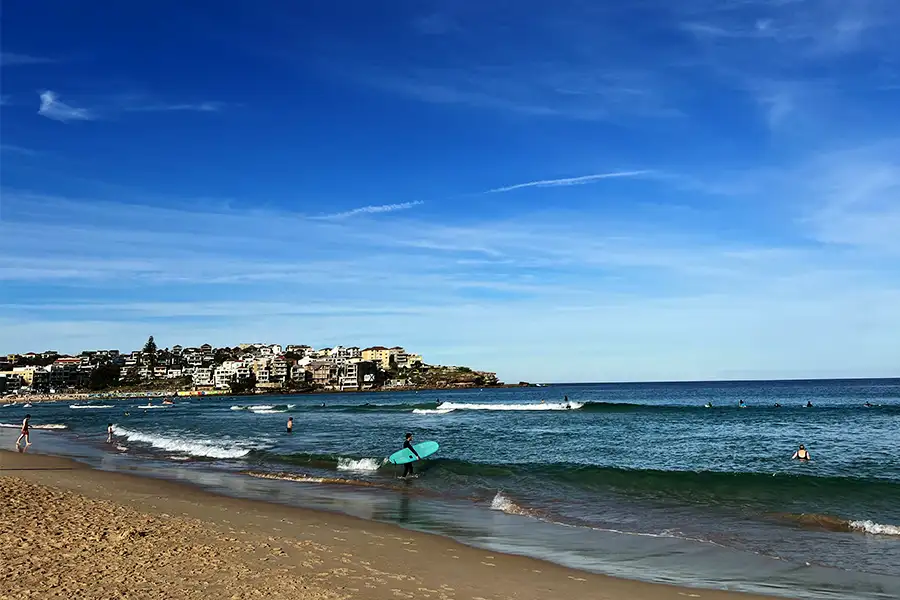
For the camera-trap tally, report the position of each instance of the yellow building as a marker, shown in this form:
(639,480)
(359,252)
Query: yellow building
(26,373)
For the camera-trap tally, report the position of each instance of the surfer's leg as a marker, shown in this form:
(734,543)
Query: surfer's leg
(407,469)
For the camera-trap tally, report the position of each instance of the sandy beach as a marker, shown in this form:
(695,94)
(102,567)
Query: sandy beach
(68,531)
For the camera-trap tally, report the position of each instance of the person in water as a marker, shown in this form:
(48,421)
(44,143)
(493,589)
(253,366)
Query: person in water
(290,425)
(109,433)
(26,433)
(708,405)
(868,404)
(809,404)
(407,444)
(741,404)
(777,405)
(801,453)
(566,400)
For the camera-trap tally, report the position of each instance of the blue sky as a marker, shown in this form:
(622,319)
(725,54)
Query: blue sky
(565,191)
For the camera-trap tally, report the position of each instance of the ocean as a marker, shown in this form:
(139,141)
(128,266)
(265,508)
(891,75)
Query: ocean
(634,480)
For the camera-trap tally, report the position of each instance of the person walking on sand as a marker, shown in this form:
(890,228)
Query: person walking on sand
(290,425)
(801,454)
(25,435)
(407,444)
(109,433)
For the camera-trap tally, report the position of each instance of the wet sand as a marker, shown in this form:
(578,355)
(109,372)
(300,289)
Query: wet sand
(68,531)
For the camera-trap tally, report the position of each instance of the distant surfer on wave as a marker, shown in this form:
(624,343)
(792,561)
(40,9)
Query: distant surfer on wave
(741,404)
(801,453)
(407,445)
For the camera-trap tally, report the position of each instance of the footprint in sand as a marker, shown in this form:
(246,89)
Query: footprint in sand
(576,578)
(488,564)
(340,539)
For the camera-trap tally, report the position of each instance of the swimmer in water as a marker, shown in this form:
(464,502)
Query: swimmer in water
(868,404)
(809,404)
(290,425)
(801,454)
(741,404)
(777,405)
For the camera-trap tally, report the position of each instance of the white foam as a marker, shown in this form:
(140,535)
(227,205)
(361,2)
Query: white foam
(154,406)
(47,426)
(450,406)
(875,528)
(93,406)
(267,411)
(505,504)
(432,411)
(184,444)
(122,448)
(363,464)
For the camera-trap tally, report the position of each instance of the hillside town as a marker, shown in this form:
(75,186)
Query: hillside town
(245,368)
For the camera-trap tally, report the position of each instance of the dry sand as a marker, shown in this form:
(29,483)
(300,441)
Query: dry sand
(67,531)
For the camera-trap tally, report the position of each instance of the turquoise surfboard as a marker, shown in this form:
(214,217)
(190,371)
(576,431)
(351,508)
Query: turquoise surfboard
(425,449)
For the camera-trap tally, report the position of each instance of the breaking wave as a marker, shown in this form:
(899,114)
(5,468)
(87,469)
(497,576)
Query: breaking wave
(47,426)
(90,406)
(362,464)
(182,444)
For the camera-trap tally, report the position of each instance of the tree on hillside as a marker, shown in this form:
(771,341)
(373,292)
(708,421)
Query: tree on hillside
(150,352)
(104,376)
(243,387)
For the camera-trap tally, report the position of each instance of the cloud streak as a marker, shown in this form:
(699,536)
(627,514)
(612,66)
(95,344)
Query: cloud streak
(372,210)
(53,108)
(12,59)
(582,180)
(185,107)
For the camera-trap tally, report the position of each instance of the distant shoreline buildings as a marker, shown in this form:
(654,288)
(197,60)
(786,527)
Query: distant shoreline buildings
(244,368)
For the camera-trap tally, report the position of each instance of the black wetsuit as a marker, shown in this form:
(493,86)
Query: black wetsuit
(408,468)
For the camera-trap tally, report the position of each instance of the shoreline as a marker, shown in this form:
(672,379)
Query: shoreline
(82,396)
(425,561)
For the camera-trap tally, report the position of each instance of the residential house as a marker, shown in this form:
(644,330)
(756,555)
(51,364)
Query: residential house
(174,373)
(299,373)
(407,361)
(177,350)
(280,369)
(324,374)
(160,372)
(203,377)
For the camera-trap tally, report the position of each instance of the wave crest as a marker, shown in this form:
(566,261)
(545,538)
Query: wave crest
(193,447)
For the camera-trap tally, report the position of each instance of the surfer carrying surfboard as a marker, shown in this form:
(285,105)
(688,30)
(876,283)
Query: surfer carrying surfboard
(407,445)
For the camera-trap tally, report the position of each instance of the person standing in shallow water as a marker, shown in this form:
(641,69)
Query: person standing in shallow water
(408,468)
(801,453)
(109,434)
(26,433)
(290,425)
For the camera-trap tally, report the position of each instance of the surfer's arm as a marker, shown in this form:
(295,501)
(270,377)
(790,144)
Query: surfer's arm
(796,454)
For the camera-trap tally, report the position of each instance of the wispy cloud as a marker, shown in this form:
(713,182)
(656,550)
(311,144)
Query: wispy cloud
(373,209)
(582,180)
(53,108)
(13,149)
(185,107)
(12,59)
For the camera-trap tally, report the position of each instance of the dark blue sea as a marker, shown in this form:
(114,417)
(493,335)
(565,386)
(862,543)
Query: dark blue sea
(636,480)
